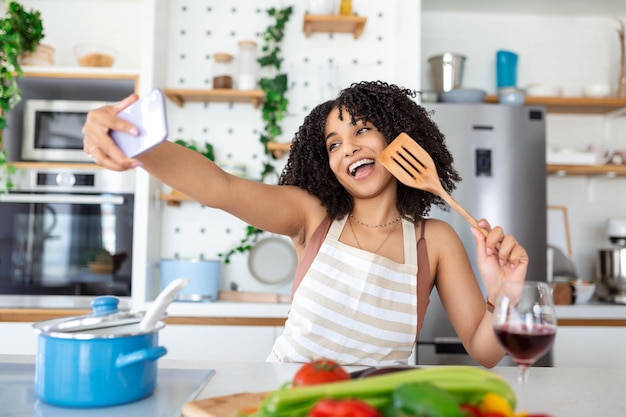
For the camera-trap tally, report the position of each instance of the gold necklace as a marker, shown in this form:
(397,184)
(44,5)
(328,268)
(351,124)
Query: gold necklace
(383,242)
(374,226)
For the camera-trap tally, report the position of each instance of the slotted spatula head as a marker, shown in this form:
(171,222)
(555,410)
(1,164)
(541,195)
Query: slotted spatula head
(411,164)
(414,167)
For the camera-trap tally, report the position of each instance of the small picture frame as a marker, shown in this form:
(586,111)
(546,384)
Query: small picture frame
(558,229)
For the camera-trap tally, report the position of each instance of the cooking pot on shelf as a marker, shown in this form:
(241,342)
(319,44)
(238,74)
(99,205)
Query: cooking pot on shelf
(612,272)
(447,71)
(102,359)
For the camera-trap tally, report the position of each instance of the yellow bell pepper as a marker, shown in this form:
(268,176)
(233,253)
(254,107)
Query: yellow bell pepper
(493,403)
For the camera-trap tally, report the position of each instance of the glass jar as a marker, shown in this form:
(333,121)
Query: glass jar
(222,70)
(247,68)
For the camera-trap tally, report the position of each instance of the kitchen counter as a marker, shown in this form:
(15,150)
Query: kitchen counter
(560,392)
(15,308)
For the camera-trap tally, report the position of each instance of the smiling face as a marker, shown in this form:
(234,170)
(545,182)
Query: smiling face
(352,151)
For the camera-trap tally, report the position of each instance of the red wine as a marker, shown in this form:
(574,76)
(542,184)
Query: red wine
(525,343)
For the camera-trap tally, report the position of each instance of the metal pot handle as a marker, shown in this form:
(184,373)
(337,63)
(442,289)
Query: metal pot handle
(147,354)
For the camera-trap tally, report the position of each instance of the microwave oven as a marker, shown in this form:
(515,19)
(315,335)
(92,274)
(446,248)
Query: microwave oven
(52,130)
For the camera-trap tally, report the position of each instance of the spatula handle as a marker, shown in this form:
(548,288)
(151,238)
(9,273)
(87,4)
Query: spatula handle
(464,213)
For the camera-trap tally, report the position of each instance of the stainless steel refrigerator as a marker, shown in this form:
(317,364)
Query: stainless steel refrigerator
(499,151)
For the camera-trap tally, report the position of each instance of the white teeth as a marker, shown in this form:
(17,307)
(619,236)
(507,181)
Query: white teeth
(353,167)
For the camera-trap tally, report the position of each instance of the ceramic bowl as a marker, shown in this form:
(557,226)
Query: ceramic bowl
(463,95)
(584,292)
(598,90)
(95,55)
(544,90)
(511,96)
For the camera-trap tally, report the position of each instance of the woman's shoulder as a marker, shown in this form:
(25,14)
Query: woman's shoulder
(434,226)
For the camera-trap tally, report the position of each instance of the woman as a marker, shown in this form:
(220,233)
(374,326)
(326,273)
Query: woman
(354,226)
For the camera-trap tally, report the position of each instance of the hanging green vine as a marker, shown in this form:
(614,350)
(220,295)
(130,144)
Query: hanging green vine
(275,86)
(20,31)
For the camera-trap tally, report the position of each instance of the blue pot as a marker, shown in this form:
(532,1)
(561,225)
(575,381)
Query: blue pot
(204,278)
(95,366)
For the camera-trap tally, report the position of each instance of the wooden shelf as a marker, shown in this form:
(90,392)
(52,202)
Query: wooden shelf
(175,198)
(180,96)
(80,73)
(333,24)
(279,149)
(607,170)
(574,105)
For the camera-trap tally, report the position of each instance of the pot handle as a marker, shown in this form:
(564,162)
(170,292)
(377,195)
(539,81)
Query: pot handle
(141,355)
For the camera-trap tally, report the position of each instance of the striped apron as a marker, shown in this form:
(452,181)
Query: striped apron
(353,306)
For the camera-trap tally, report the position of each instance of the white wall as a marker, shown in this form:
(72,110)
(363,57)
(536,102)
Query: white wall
(112,23)
(567,51)
(318,67)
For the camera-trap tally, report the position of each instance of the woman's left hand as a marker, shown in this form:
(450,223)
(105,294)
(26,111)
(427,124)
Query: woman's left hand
(500,257)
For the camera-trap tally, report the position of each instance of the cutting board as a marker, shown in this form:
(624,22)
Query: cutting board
(224,406)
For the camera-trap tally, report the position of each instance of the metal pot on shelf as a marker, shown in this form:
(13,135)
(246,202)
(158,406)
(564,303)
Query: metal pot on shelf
(447,71)
(612,272)
(612,262)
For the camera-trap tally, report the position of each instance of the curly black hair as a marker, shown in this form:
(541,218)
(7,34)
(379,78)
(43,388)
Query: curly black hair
(392,110)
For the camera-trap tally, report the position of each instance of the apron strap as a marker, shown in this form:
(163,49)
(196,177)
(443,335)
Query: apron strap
(423,278)
(310,252)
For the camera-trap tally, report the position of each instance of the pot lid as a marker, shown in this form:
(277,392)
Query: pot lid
(105,315)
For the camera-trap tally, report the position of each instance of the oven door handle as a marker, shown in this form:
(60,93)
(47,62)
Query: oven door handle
(62,199)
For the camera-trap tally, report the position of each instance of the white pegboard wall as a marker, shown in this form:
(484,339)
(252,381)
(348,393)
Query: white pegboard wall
(318,67)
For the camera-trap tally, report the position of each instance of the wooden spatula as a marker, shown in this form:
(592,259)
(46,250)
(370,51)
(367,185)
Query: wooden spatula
(414,167)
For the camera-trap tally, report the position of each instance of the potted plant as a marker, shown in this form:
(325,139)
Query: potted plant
(20,31)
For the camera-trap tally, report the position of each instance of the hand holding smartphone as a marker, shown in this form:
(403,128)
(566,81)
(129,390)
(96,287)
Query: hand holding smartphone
(148,114)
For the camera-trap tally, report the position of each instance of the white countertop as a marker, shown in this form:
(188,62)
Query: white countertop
(265,310)
(560,392)
(176,309)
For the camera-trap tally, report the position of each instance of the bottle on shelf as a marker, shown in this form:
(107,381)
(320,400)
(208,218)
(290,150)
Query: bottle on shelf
(247,65)
(222,70)
(345,8)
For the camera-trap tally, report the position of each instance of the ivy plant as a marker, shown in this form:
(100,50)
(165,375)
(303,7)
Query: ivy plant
(191,144)
(20,31)
(274,85)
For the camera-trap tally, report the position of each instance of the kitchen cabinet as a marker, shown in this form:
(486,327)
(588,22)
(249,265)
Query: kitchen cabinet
(198,342)
(333,24)
(589,347)
(17,339)
(223,343)
(231,331)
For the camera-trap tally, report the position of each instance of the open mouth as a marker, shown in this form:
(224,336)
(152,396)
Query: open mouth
(360,166)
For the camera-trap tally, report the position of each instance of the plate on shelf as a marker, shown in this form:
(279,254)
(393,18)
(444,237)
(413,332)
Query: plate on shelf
(272,260)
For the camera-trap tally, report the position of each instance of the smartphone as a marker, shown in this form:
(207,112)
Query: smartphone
(148,114)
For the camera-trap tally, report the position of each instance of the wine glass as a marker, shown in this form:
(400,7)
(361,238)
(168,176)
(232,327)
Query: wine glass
(524,320)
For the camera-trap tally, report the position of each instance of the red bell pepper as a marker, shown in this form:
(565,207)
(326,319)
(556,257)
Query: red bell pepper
(343,408)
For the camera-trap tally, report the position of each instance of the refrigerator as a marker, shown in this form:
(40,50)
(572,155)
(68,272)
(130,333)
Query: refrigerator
(499,151)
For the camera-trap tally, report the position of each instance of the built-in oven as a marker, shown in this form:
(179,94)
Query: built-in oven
(67,231)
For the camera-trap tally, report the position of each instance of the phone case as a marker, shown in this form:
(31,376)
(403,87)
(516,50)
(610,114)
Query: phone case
(148,114)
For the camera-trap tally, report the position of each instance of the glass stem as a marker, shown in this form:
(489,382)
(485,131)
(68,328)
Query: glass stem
(522,378)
